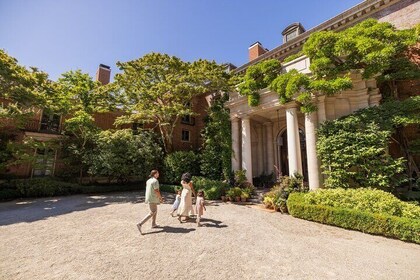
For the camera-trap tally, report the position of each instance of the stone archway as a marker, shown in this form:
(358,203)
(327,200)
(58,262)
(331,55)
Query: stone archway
(282,153)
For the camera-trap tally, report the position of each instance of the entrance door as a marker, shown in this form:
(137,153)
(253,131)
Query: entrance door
(283,157)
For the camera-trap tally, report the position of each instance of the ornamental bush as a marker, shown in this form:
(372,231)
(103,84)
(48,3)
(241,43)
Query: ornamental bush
(364,199)
(375,223)
(120,154)
(213,189)
(177,163)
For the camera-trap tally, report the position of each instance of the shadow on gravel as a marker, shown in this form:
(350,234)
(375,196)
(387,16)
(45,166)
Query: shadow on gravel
(169,229)
(205,222)
(31,210)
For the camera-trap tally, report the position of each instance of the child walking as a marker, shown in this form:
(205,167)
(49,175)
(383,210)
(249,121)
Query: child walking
(176,202)
(199,204)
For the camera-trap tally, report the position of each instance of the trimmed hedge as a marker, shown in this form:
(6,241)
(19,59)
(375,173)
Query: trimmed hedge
(169,188)
(375,223)
(364,199)
(45,187)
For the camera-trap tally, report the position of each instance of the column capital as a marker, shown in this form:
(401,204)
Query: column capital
(291,105)
(234,118)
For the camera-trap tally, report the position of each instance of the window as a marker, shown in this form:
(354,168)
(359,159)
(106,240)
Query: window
(44,162)
(188,120)
(290,36)
(185,136)
(50,123)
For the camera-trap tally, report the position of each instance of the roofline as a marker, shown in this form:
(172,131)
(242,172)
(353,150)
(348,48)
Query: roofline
(350,16)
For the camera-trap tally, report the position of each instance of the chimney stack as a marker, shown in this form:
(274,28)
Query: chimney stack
(103,74)
(255,50)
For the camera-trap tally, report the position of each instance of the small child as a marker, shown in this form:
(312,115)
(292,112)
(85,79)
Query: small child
(176,202)
(200,207)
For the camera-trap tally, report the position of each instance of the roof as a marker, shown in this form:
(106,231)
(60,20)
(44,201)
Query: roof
(347,18)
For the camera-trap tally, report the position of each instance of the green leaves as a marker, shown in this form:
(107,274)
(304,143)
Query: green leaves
(157,87)
(369,46)
(353,150)
(257,77)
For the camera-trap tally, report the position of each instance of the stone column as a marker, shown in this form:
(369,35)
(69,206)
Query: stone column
(247,148)
(236,163)
(260,151)
(322,116)
(313,164)
(293,143)
(269,147)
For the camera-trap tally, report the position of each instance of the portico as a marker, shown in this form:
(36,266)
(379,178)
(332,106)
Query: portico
(275,137)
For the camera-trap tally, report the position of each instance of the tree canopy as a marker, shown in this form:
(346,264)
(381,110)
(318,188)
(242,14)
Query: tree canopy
(157,88)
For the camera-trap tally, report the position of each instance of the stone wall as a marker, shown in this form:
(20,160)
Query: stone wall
(403,15)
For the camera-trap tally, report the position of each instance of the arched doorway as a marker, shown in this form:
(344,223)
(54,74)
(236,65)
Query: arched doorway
(282,153)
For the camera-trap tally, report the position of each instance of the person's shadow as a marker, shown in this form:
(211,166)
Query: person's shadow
(205,222)
(169,229)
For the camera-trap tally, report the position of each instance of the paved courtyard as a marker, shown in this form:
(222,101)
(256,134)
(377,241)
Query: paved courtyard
(95,237)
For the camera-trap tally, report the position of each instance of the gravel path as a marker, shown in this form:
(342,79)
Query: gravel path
(95,237)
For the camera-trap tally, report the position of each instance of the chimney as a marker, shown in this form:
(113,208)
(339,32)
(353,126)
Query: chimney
(103,74)
(255,50)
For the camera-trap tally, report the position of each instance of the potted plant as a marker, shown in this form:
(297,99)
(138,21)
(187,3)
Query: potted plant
(244,195)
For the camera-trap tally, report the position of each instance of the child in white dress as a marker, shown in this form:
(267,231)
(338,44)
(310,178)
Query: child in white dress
(176,202)
(200,207)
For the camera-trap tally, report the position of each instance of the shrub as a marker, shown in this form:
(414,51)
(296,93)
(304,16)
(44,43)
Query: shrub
(277,197)
(169,188)
(121,154)
(6,194)
(44,187)
(213,189)
(180,162)
(364,199)
(234,192)
(376,223)
(40,187)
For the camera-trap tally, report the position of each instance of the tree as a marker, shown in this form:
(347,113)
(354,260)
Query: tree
(78,97)
(120,154)
(157,88)
(20,90)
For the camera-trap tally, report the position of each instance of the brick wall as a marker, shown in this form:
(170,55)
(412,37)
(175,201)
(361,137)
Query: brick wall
(199,106)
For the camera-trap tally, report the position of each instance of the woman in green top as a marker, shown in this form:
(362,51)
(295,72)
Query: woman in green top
(153,198)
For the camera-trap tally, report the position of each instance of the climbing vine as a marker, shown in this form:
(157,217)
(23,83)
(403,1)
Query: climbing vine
(257,77)
(370,48)
(354,149)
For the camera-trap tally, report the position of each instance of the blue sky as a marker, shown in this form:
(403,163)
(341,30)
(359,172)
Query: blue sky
(61,35)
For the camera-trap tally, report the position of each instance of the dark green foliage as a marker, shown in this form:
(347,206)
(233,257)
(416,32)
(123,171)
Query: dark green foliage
(213,189)
(353,149)
(217,145)
(375,223)
(169,188)
(257,77)
(177,163)
(46,186)
(120,154)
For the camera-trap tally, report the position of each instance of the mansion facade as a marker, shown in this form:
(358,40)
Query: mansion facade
(278,138)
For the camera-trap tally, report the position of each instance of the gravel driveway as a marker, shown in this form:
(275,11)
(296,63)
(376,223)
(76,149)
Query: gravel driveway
(95,237)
